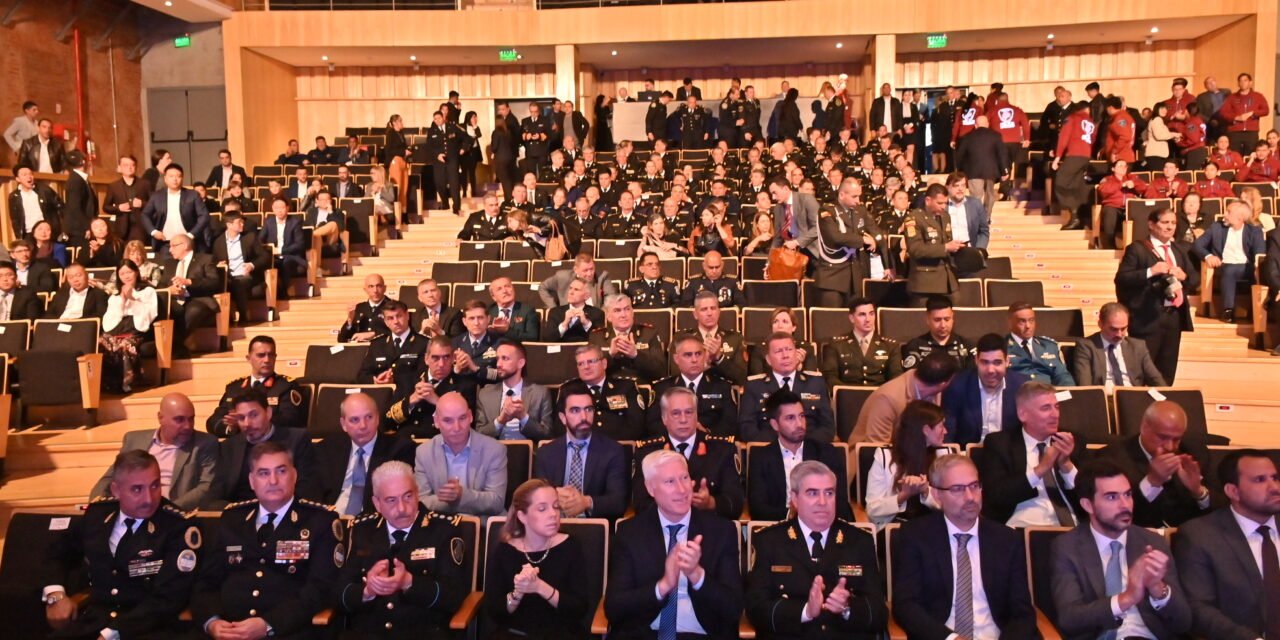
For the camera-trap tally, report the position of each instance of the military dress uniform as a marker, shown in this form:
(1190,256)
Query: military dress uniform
(283,575)
(693,125)
(484,354)
(650,362)
(920,346)
(140,589)
(782,574)
(404,361)
(368,318)
(843,361)
(478,228)
(662,293)
(732,364)
(432,550)
(619,408)
(287,400)
(753,424)
(712,457)
(841,259)
(717,404)
(749,111)
(418,420)
(619,227)
(727,289)
(930,272)
(1045,365)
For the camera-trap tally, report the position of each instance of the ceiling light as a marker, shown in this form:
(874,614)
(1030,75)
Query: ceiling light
(613,52)
(168,3)
(1155,29)
(1051,36)
(839,45)
(325,58)
(413,58)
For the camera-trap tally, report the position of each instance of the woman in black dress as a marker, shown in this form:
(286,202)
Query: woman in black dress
(103,249)
(789,124)
(502,156)
(471,157)
(533,582)
(604,123)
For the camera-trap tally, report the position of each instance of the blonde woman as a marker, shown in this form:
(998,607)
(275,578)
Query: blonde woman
(135,252)
(1252,196)
(384,197)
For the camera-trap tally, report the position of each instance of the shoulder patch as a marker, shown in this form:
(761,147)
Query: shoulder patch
(816,374)
(367,516)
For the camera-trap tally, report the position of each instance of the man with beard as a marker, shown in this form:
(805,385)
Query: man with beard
(515,409)
(588,469)
(770,468)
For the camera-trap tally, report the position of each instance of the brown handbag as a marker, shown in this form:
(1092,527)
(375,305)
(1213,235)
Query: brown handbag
(785,264)
(556,248)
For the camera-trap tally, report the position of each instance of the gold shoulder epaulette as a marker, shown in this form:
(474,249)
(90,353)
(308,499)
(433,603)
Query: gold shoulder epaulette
(454,519)
(367,516)
(814,373)
(720,438)
(670,279)
(103,499)
(185,515)
(645,443)
(318,505)
(758,376)
(240,504)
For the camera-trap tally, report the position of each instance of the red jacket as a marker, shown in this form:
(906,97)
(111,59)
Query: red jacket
(1215,188)
(966,121)
(1120,135)
(1162,187)
(1260,170)
(1177,106)
(1077,136)
(1238,104)
(1193,132)
(1114,194)
(1010,122)
(1227,161)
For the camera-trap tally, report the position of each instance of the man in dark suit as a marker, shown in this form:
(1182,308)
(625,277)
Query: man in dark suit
(1153,281)
(139,551)
(42,152)
(589,469)
(345,461)
(36,275)
(886,111)
(687,89)
(284,233)
(413,413)
(192,280)
(785,374)
(983,400)
(353,153)
(76,299)
(1230,247)
(509,318)
(968,211)
(245,260)
(82,201)
(396,357)
(516,409)
(935,581)
(1030,473)
(574,320)
(983,158)
(430,316)
(655,119)
(364,320)
(16,303)
(768,479)
(1227,560)
(223,173)
(692,590)
(1165,469)
(253,415)
(174,210)
(1111,578)
(31,202)
(717,407)
(1110,358)
(713,463)
(825,569)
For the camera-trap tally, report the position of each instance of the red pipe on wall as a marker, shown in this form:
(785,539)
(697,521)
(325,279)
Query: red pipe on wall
(80,141)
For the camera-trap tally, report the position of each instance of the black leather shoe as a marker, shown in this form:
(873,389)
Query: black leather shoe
(1229,316)
(1073,224)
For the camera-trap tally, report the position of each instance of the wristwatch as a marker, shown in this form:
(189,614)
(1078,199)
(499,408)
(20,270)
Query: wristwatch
(54,598)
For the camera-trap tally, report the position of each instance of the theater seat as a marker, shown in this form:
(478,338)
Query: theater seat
(62,351)
(23,571)
(334,363)
(1132,402)
(323,418)
(553,362)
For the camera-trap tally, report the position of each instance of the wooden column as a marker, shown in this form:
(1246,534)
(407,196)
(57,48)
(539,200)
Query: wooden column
(566,72)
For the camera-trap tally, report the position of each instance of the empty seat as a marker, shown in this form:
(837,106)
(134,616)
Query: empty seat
(518,251)
(609,249)
(997,267)
(490,250)
(543,269)
(661,319)
(555,362)
(335,364)
(886,293)
(1086,414)
(1132,402)
(619,269)
(826,323)
(450,272)
(774,293)
(362,225)
(63,351)
(1039,543)
(848,404)
(970,294)
(516,271)
(323,420)
(1063,325)
(1002,293)
(753,267)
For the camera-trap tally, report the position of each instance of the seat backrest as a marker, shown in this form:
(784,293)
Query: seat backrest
(1211,207)
(777,293)
(974,450)
(513,250)
(1264,188)
(359,213)
(865,453)
(519,464)
(756,325)
(610,249)
(1086,414)
(849,400)
(489,250)
(997,267)
(592,534)
(661,319)
(1131,403)
(1061,324)
(753,267)
(1002,293)
(323,420)
(543,269)
(970,293)
(826,323)
(451,272)
(902,324)
(617,268)
(516,270)
(336,364)
(556,362)
(973,323)
(23,570)
(1039,546)
(728,319)
(14,336)
(730,266)
(66,335)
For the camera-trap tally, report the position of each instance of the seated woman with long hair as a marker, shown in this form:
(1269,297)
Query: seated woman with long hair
(384,198)
(712,233)
(533,580)
(898,485)
(519,230)
(47,247)
(1260,218)
(761,231)
(782,319)
(130,312)
(657,238)
(104,247)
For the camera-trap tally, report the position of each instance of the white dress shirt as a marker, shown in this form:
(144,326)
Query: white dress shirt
(1233,248)
(1132,625)
(280,227)
(510,430)
(984,625)
(1038,511)
(173,215)
(262,514)
(226,178)
(992,408)
(344,497)
(686,617)
(75,304)
(959,221)
(1251,535)
(789,461)
(31,212)
(44,165)
(888,112)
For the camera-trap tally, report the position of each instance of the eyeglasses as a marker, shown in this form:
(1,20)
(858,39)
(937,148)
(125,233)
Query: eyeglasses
(589,361)
(958,490)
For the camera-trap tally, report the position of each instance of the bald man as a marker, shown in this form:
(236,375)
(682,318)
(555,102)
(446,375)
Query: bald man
(346,460)
(364,320)
(187,457)
(460,470)
(1170,474)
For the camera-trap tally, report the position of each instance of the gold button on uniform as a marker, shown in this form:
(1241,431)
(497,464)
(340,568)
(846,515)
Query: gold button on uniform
(391,605)
(388,625)
(258,574)
(256,593)
(253,612)
(115,592)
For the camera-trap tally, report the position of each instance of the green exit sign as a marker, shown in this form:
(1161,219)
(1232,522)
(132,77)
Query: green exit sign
(936,40)
(182,41)
(508,55)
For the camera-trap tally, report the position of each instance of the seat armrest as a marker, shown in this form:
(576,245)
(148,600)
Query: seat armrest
(599,623)
(1046,628)
(90,368)
(467,612)
(895,631)
(164,331)
(746,631)
(322,619)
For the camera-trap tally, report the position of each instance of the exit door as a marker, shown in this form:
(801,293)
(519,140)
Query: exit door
(191,124)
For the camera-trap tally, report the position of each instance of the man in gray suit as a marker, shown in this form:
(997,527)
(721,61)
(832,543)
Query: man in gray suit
(795,216)
(554,291)
(516,409)
(188,458)
(1111,358)
(460,470)
(1228,558)
(1110,578)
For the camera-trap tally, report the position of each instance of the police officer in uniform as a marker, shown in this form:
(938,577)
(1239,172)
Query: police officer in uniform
(487,224)
(717,402)
(655,119)
(402,574)
(815,576)
(749,115)
(444,144)
(727,289)
(364,319)
(714,465)
(477,344)
(726,348)
(861,357)
(940,337)
(140,552)
(846,237)
(929,249)
(413,411)
(627,223)
(1037,357)
(288,399)
(619,407)
(273,560)
(534,133)
(394,358)
(652,290)
(785,372)
(635,350)
(693,124)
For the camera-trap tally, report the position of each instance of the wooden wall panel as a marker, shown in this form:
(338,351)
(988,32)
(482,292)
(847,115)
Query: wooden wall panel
(270,115)
(1140,73)
(1227,52)
(714,81)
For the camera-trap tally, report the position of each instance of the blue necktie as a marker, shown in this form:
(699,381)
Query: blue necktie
(1115,581)
(355,501)
(667,621)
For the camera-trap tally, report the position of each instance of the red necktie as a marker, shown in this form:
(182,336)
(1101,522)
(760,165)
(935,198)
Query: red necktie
(786,222)
(1178,298)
